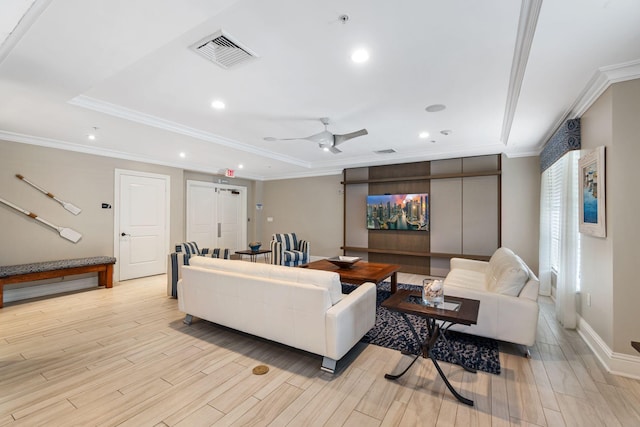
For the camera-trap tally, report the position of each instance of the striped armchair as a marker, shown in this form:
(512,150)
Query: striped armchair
(181,256)
(287,250)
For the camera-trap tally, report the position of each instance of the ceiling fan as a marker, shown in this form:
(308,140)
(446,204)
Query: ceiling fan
(325,139)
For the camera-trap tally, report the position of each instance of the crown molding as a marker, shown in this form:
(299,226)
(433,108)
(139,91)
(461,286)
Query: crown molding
(529,13)
(601,80)
(159,123)
(104,152)
(595,87)
(27,20)
(310,174)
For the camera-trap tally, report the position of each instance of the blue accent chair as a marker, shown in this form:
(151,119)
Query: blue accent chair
(181,256)
(288,250)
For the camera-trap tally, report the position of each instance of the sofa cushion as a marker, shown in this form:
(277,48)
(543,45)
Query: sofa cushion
(465,279)
(294,257)
(506,273)
(325,279)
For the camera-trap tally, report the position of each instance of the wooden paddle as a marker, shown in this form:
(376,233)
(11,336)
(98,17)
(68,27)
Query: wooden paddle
(68,206)
(67,233)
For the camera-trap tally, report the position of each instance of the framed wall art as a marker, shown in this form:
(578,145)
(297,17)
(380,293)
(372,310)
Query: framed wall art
(592,193)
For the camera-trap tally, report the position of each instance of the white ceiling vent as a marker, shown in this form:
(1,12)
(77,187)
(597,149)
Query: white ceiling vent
(387,151)
(220,48)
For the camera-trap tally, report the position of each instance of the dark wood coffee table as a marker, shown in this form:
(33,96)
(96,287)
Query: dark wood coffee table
(360,272)
(456,311)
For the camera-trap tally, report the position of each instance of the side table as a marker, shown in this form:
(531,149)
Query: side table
(455,310)
(253,255)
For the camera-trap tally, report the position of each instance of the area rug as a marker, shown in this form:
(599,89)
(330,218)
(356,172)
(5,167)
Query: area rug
(391,331)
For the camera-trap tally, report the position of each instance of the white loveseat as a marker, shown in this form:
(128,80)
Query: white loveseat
(298,307)
(508,294)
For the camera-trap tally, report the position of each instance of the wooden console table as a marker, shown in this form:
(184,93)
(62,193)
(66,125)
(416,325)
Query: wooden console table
(46,270)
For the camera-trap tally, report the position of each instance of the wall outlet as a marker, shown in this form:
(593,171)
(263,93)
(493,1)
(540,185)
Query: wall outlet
(588,300)
(269,219)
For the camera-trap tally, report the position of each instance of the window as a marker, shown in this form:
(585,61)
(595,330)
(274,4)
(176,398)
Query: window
(562,196)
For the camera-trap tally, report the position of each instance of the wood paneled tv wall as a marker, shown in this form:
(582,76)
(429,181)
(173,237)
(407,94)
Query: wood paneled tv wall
(464,212)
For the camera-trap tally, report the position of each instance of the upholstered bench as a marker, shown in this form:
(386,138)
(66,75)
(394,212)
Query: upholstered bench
(103,265)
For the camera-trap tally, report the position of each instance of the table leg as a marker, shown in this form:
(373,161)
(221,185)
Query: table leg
(443,333)
(417,337)
(427,345)
(394,282)
(448,384)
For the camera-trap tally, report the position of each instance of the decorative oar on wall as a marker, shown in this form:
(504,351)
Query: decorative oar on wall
(64,232)
(68,206)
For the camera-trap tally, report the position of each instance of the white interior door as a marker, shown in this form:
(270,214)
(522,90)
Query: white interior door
(142,224)
(202,226)
(217,215)
(233,224)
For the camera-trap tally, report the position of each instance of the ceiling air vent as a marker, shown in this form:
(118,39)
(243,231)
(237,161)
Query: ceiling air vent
(387,151)
(220,48)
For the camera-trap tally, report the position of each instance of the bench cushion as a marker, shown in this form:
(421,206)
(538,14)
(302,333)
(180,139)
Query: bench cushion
(37,267)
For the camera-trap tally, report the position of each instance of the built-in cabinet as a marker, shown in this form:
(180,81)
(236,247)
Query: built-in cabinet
(464,212)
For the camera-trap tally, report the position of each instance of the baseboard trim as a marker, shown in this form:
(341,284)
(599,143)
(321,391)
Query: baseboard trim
(35,291)
(615,363)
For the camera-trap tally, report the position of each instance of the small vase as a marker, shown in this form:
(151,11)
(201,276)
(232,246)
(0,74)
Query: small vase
(432,292)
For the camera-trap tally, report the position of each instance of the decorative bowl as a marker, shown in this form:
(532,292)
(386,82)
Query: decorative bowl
(254,246)
(344,261)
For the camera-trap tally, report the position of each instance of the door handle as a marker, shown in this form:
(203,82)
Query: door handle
(124,234)
(219,229)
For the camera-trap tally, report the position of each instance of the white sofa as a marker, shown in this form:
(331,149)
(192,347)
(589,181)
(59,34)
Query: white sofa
(299,307)
(508,294)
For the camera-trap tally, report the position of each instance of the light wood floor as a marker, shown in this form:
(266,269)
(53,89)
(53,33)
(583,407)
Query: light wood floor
(122,356)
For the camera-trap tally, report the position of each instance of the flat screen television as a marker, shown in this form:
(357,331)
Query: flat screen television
(398,212)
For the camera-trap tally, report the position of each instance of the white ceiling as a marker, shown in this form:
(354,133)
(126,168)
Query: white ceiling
(508,72)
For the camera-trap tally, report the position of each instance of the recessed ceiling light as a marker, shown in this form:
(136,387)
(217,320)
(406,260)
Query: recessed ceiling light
(435,108)
(240,166)
(423,135)
(359,56)
(92,135)
(183,155)
(446,132)
(218,105)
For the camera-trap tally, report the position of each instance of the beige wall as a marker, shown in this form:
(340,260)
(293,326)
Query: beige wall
(624,196)
(313,208)
(596,275)
(521,207)
(609,265)
(82,179)
(310,207)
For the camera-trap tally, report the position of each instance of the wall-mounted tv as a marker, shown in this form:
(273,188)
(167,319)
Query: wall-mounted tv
(398,212)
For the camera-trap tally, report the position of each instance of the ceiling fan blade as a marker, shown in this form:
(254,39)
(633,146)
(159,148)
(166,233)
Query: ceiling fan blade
(270,139)
(339,139)
(335,150)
